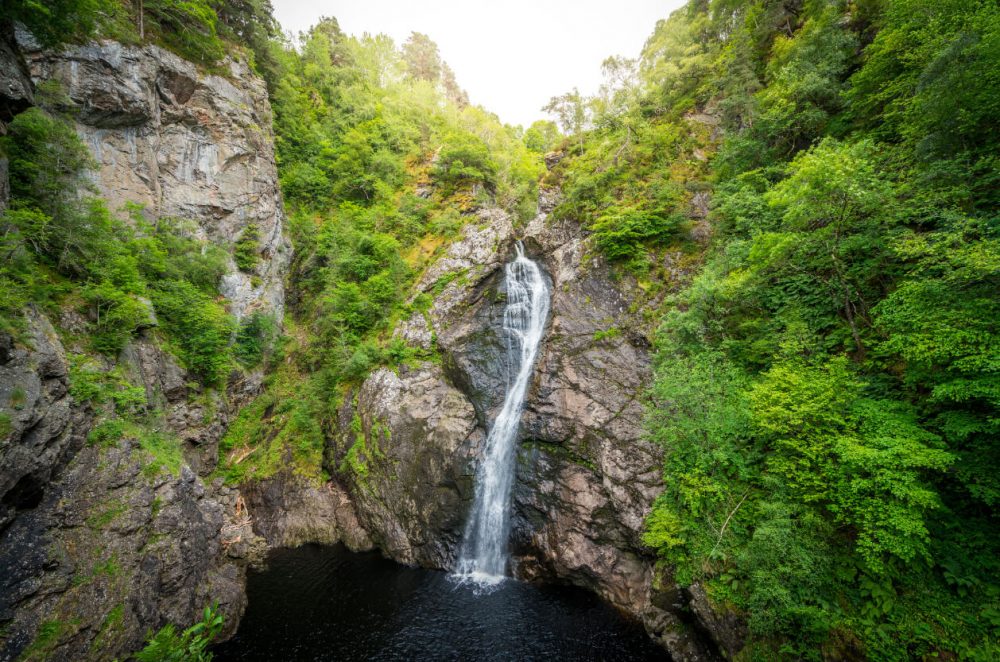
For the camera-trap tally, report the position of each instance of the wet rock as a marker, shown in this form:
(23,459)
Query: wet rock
(726,629)
(408,439)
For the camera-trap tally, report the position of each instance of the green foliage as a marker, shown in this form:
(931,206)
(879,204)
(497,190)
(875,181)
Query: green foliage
(464,158)
(246,252)
(49,634)
(188,27)
(199,327)
(117,316)
(542,136)
(256,339)
(622,233)
(56,241)
(825,388)
(53,22)
(279,431)
(191,645)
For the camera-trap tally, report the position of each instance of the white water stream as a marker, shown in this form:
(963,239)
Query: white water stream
(483,556)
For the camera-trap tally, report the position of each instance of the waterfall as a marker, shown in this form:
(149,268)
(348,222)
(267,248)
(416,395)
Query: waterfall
(483,556)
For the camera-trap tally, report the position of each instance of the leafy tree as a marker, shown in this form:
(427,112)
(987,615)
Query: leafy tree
(423,61)
(571,113)
(542,136)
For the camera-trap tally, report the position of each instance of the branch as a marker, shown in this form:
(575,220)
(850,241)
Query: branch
(726,523)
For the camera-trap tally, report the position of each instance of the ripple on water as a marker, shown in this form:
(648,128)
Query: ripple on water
(326,603)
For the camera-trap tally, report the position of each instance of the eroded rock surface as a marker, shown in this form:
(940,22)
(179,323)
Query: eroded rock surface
(110,554)
(407,440)
(586,477)
(36,436)
(97,544)
(184,144)
(288,511)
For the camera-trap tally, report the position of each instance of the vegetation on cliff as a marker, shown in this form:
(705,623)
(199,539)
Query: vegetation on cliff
(382,160)
(826,389)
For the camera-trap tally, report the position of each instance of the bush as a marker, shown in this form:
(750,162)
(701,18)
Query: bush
(255,339)
(246,252)
(191,645)
(187,27)
(199,327)
(117,316)
(622,233)
(465,159)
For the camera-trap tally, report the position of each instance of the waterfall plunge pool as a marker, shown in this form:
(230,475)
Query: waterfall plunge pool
(327,603)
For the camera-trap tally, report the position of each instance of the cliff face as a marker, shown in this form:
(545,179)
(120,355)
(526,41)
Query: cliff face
(182,143)
(585,478)
(96,549)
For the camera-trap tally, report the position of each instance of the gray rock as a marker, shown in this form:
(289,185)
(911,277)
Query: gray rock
(409,438)
(288,511)
(112,553)
(183,143)
(35,404)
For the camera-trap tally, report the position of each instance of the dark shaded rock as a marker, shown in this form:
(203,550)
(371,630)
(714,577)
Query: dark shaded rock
(289,511)
(726,629)
(113,552)
(16,92)
(35,406)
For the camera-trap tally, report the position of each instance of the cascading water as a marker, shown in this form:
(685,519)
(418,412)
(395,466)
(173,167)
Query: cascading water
(483,556)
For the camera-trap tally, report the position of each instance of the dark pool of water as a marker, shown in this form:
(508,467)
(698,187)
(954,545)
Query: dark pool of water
(326,603)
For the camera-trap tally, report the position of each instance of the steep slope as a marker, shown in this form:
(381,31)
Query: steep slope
(585,478)
(98,544)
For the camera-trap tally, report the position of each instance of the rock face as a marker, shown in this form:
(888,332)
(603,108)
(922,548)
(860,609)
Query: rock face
(98,546)
(182,143)
(36,437)
(585,478)
(288,511)
(109,555)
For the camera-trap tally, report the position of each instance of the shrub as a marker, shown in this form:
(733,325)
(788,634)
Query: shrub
(199,326)
(256,338)
(621,233)
(117,316)
(191,645)
(246,252)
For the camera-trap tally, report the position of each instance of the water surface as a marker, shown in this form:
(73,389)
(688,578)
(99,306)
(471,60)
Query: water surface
(326,603)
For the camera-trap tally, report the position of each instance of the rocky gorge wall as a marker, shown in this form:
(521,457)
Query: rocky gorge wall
(97,550)
(586,477)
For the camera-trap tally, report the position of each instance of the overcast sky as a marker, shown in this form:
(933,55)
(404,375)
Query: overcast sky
(510,55)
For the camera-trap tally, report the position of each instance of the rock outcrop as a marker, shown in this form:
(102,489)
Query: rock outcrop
(37,433)
(183,144)
(288,511)
(586,477)
(98,544)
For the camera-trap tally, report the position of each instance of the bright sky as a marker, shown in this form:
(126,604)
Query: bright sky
(511,56)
